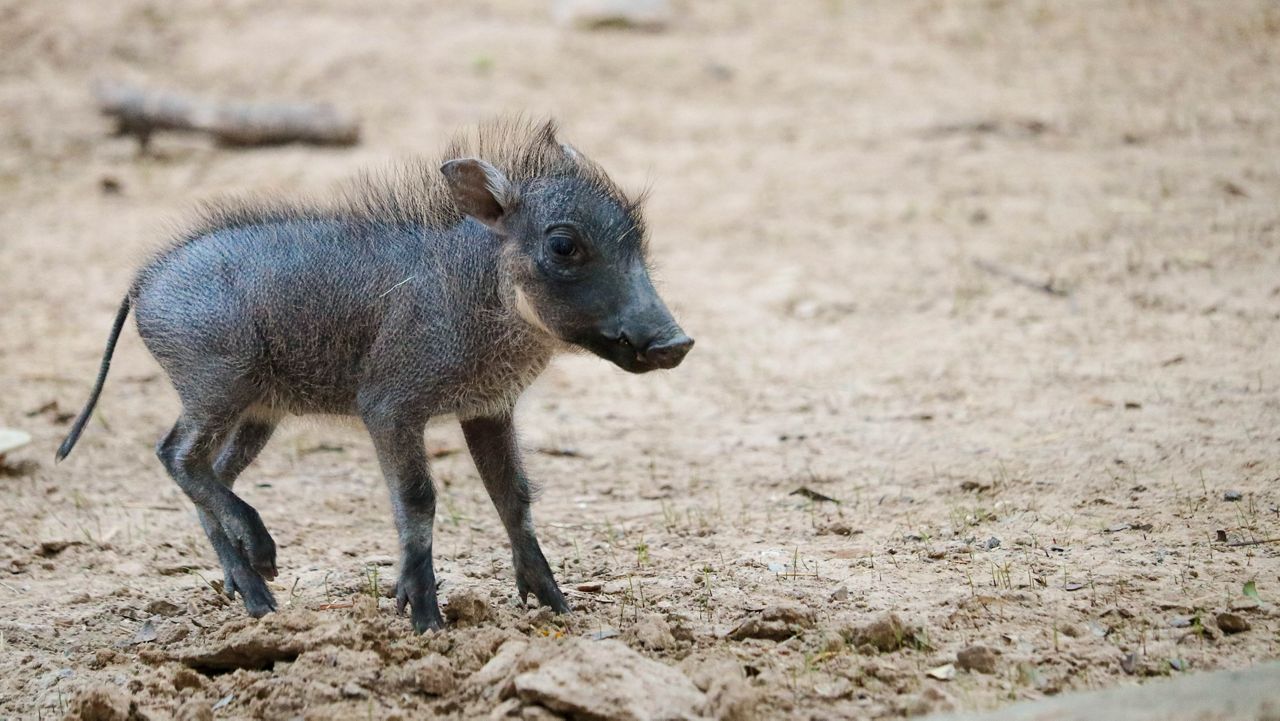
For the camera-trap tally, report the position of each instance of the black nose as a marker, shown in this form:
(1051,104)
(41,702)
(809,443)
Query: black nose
(668,353)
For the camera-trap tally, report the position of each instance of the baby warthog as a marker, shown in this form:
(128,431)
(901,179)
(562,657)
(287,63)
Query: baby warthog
(435,290)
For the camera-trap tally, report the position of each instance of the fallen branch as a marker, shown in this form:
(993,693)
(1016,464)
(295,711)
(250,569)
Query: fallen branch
(1043,287)
(1237,544)
(140,113)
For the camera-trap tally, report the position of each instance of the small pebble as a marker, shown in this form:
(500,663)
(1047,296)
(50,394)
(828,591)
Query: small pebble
(978,658)
(353,690)
(1232,622)
(1232,496)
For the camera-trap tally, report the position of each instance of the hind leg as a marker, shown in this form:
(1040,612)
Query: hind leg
(238,576)
(244,547)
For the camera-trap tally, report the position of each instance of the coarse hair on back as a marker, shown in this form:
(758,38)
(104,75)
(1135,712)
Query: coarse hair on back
(414,192)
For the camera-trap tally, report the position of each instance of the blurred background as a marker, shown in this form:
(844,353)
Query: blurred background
(995,275)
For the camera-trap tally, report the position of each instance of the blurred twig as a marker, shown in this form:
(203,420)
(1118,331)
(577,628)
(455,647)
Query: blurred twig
(1044,287)
(140,112)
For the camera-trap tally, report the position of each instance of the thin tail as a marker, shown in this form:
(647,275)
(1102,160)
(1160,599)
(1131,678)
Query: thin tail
(78,427)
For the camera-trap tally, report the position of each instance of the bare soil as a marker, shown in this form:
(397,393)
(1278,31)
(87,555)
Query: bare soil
(1001,278)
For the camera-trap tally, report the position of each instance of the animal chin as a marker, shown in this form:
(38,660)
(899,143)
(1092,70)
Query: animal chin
(626,359)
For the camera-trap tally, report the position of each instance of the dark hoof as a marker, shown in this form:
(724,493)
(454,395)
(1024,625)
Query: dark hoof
(547,593)
(258,600)
(254,544)
(424,610)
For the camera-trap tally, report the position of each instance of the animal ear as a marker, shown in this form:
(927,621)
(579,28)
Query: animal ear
(480,190)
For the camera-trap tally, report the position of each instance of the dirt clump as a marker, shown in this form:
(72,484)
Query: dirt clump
(1230,622)
(609,681)
(432,674)
(982,659)
(468,607)
(885,634)
(775,623)
(653,632)
(102,703)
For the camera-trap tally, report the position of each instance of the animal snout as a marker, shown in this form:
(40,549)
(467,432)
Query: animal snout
(667,352)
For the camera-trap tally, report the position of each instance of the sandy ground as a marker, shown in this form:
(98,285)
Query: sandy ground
(841,192)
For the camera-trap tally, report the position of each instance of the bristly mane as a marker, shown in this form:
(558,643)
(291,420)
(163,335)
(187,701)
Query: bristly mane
(414,193)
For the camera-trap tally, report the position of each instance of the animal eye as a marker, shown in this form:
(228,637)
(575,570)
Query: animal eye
(562,243)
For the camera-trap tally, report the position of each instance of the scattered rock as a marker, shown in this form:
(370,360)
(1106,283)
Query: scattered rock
(102,703)
(1232,496)
(110,185)
(1098,629)
(161,607)
(49,549)
(607,680)
(838,528)
(11,439)
(468,608)
(353,690)
(172,633)
(146,634)
(885,634)
(1232,622)
(652,631)
(992,543)
(945,672)
(432,674)
(776,623)
(596,14)
(982,659)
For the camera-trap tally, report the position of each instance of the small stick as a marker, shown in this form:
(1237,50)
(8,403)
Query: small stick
(1043,287)
(1237,544)
(140,113)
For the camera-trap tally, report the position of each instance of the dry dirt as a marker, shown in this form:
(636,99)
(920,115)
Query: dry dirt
(1001,277)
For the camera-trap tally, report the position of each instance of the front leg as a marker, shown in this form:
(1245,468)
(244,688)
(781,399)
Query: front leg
(402,454)
(493,446)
